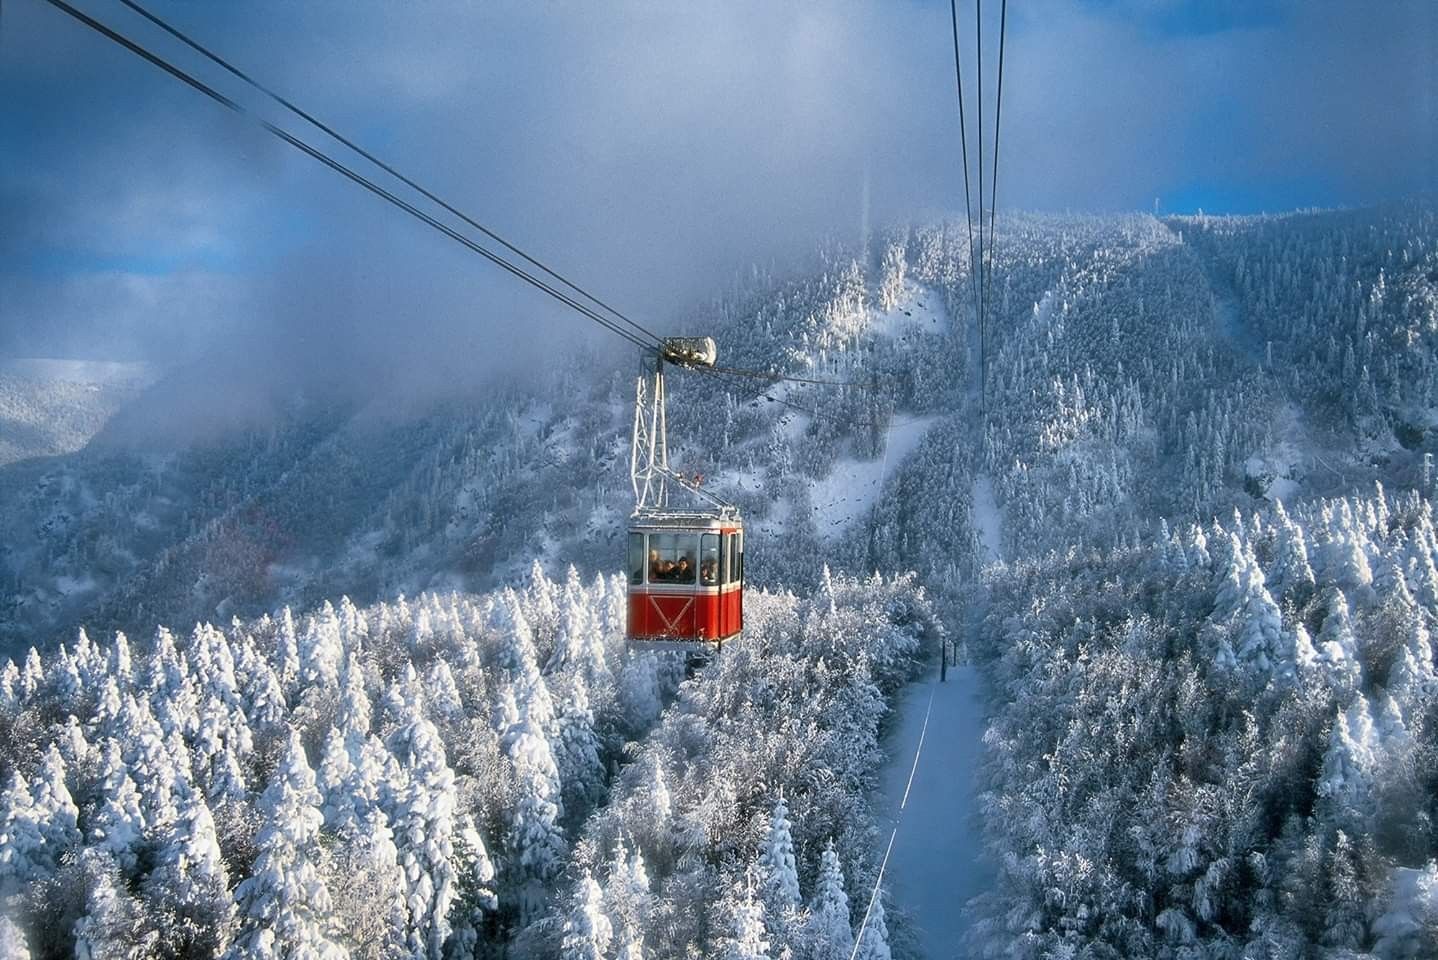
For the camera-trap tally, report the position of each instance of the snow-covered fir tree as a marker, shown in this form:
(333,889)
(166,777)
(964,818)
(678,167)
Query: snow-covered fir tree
(283,904)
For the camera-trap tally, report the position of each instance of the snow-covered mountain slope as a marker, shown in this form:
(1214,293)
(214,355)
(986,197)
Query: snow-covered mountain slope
(1113,397)
(323,498)
(1144,377)
(53,407)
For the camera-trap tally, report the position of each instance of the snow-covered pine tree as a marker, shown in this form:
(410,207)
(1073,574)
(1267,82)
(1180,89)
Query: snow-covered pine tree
(1246,623)
(538,602)
(1292,574)
(22,844)
(424,822)
(535,840)
(284,906)
(320,650)
(1344,924)
(892,271)
(627,894)
(639,697)
(779,875)
(219,743)
(188,888)
(1338,647)
(1346,780)
(120,664)
(874,940)
(286,657)
(518,658)
(54,809)
(117,827)
(113,924)
(353,713)
(476,888)
(263,693)
(1306,658)
(362,870)
(579,649)
(748,937)
(12,940)
(1413,680)
(171,692)
(828,933)
(441,694)
(576,750)
(9,690)
(587,930)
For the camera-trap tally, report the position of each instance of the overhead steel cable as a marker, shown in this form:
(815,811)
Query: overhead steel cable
(298,111)
(998,115)
(983,304)
(639,335)
(350,174)
(964,145)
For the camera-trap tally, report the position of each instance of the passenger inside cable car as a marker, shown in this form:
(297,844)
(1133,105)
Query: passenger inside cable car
(671,559)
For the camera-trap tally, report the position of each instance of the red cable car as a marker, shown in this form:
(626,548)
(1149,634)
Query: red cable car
(686,580)
(685,567)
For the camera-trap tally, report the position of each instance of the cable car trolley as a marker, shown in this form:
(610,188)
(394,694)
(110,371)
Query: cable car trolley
(685,567)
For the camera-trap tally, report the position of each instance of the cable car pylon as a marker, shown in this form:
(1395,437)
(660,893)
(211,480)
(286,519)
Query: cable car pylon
(686,566)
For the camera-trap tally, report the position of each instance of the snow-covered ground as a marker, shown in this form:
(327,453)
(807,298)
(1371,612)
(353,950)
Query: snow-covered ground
(919,309)
(936,866)
(50,407)
(852,487)
(986,518)
(848,492)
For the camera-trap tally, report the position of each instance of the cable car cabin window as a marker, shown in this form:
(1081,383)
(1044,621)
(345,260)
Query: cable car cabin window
(709,560)
(739,558)
(636,558)
(673,557)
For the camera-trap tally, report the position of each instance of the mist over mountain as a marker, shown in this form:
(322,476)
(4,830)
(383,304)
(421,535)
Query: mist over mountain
(1033,584)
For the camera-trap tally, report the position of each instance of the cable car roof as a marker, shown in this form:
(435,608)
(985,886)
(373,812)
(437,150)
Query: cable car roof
(684,520)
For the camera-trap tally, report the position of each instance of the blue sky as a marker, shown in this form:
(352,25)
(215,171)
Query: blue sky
(652,149)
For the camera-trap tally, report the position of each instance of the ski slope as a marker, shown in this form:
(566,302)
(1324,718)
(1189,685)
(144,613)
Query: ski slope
(848,492)
(918,310)
(986,518)
(936,865)
(853,486)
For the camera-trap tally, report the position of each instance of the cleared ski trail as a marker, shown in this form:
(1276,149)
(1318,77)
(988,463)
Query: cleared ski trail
(937,862)
(1303,459)
(986,519)
(935,867)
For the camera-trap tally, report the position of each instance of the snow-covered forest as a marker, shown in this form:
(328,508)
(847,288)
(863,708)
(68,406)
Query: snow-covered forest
(1203,615)
(452,776)
(50,407)
(1219,741)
